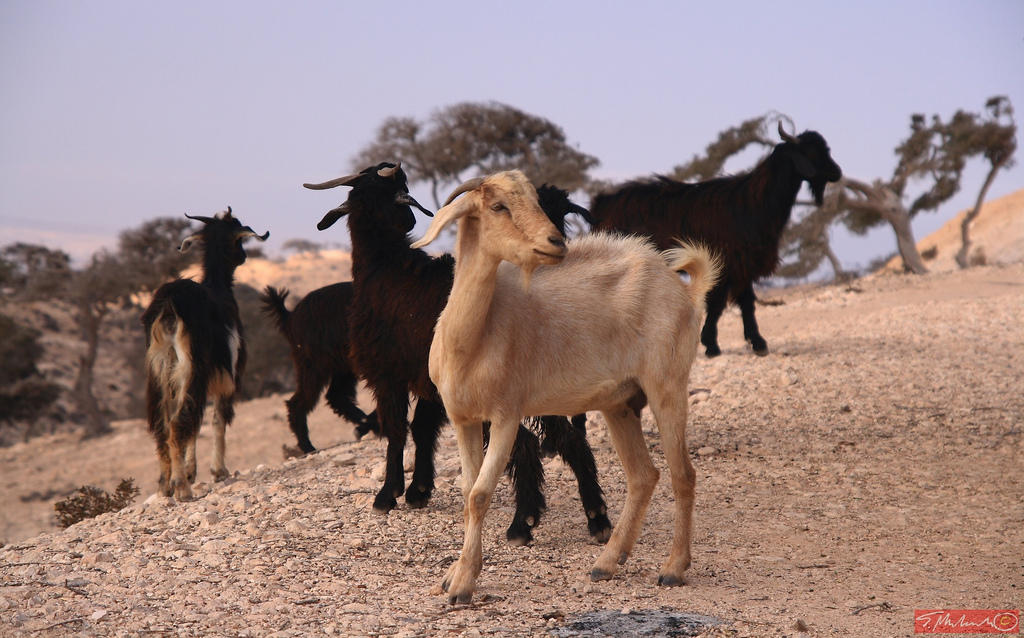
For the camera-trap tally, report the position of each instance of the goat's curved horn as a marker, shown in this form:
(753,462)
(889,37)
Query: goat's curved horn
(390,171)
(465,187)
(200,218)
(407,199)
(340,181)
(786,137)
(247,232)
(332,216)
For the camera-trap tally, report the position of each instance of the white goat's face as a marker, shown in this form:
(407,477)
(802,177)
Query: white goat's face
(502,212)
(513,226)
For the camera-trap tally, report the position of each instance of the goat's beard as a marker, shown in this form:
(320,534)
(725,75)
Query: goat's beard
(817,190)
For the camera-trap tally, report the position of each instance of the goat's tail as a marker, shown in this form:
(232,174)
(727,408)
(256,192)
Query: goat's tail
(702,265)
(273,307)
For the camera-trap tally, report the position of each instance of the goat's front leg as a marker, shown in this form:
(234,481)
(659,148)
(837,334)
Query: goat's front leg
(461,580)
(746,300)
(393,408)
(425,426)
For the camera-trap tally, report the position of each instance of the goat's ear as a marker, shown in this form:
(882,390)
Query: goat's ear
(447,215)
(332,216)
(186,243)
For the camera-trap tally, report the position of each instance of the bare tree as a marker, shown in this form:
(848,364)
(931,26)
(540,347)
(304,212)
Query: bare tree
(996,139)
(95,291)
(934,153)
(478,137)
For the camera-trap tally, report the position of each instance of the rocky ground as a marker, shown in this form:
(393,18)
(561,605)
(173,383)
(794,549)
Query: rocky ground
(870,466)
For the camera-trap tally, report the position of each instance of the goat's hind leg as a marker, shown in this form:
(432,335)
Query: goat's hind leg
(751,333)
(671,414)
(641,478)
(308,385)
(222,416)
(527,474)
(716,301)
(569,440)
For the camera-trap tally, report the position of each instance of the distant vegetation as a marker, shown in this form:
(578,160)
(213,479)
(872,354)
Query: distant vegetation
(90,502)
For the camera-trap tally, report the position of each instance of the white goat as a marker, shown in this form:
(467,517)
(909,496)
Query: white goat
(609,328)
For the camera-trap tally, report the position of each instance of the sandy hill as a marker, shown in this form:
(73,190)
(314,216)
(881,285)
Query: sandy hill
(870,465)
(997,236)
(299,273)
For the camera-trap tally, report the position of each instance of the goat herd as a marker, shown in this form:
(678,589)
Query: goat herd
(603,322)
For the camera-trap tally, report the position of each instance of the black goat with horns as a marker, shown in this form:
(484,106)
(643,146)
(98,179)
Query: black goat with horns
(195,349)
(398,293)
(740,217)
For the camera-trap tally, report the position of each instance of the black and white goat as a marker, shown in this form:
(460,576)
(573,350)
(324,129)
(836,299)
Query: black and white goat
(195,350)
(398,293)
(739,217)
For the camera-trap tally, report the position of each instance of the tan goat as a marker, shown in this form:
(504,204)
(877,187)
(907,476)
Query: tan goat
(608,328)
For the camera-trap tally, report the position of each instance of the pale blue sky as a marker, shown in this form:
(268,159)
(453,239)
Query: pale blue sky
(112,113)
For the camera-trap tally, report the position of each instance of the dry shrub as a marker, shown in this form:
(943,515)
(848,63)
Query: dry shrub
(91,501)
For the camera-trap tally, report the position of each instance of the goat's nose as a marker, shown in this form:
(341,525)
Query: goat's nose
(557,240)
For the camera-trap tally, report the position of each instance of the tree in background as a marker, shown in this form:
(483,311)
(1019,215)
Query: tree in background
(995,138)
(24,393)
(33,272)
(150,252)
(934,155)
(94,291)
(481,138)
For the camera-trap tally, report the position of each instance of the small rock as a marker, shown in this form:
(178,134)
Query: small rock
(706,450)
(800,626)
(96,615)
(97,558)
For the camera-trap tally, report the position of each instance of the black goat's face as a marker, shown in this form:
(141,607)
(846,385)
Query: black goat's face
(381,191)
(223,234)
(813,161)
(556,205)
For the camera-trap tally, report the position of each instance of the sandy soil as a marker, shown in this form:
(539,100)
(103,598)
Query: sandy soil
(870,466)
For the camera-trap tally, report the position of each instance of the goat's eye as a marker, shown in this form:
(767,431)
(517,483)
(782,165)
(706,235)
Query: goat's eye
(499,208)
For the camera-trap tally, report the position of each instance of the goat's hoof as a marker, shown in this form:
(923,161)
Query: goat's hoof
(417,496)
(597,574)
(220,475)
(600,528)
(384,504)
(668,580)
(460,599)
(712,351)
(763,352)
(519,535)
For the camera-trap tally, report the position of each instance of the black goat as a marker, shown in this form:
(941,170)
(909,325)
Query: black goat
(194,349)
(317,332)
(739,217)
(397,296)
